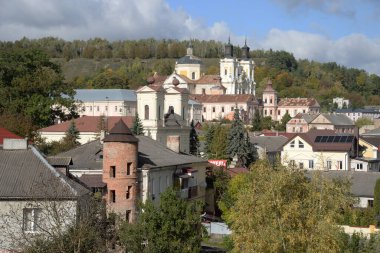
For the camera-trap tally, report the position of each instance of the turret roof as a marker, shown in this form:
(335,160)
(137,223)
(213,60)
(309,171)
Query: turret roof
(120,133)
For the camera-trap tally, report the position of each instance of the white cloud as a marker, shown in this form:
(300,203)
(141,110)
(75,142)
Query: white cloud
(111,19)
(355,50)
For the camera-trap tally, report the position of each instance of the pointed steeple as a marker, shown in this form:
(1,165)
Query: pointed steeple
(245,50)
(120,133)
(228,49)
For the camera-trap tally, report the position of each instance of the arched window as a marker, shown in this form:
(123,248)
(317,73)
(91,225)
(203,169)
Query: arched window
(146,112)
(159,112)
(193,75)
(225,72)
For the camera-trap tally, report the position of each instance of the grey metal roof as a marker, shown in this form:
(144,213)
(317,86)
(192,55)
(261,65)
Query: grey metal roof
(86,157)
(89,95)
(270,143)
(362,183)
(59,161)
(189,59)
(151,154)
(338,119)
(26,174)
(374,132)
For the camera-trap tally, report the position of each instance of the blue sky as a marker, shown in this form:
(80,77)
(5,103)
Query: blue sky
(344,31)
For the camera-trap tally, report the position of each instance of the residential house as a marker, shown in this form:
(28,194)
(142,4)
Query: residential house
(320,150)
(338,122)
(300,123)
(268,146)
(29,188)
(276,107)
(362,184)
(89,127)
(370,156)
(4,133)
(373,133)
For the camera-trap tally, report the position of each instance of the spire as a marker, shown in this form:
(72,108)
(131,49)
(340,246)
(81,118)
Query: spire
(189,50)
(228,49)
(120,133)
(245,50)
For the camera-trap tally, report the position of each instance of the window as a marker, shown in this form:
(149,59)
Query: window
(287,111)
(112,196)
(183,113)
(270,100)
(146,112)
(129,165)
(265,101)
(304,111)
(300,144)
(203,91)
(115,108)
(265,112)
(292,144)
(278,112)
(301,166)
(213,109)
(31,219)
(311,164)
(113,171)
(294,129)
(232,108)
(340,165)
(359,166)
(204,109)
(90,108)
(83,108)
(128,215)
(106,108)
(159,112)
(97,108)
(292,163)
(328,165)
(193,75)
(225,72)
(129,192)
(222,108)
(301,129)
(295,112)
(370,203)
(270,112)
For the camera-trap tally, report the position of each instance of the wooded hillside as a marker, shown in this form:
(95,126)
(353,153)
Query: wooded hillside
(98,63)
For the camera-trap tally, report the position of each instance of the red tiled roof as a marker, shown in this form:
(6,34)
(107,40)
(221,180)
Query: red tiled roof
(269,87)
(4,133)
(223,98)
(88,124)
(209,79)
(298,102)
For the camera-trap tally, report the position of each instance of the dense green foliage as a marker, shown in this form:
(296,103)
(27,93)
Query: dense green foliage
(289,211)
(194,140)
(256,121)
(376,198)
(137,128)
(239,145)
(29,87)
(172,226)
(215,141)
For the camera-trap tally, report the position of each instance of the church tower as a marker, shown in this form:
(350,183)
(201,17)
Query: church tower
(120,159)
(228,69)
(246,65)
(189,65)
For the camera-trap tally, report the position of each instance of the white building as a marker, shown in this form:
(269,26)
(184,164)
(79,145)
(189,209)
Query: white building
(105,102)
(341,102)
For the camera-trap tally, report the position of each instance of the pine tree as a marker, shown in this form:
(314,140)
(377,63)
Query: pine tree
(137,126)
(194,141)
(284,121)
(238,142)
(71,138)
(256,121)
(209,138)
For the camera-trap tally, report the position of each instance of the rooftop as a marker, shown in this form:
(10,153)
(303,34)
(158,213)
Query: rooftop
(89,95)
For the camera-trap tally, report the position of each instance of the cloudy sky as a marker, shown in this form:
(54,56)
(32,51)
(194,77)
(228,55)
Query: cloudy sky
(344,31)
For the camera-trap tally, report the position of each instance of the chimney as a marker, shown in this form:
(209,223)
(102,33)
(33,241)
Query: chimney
(12,144)
(173,142)
(102,135)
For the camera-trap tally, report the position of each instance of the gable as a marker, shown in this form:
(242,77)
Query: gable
(321,119)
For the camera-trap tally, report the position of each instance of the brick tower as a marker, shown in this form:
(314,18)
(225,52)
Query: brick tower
(120,151)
